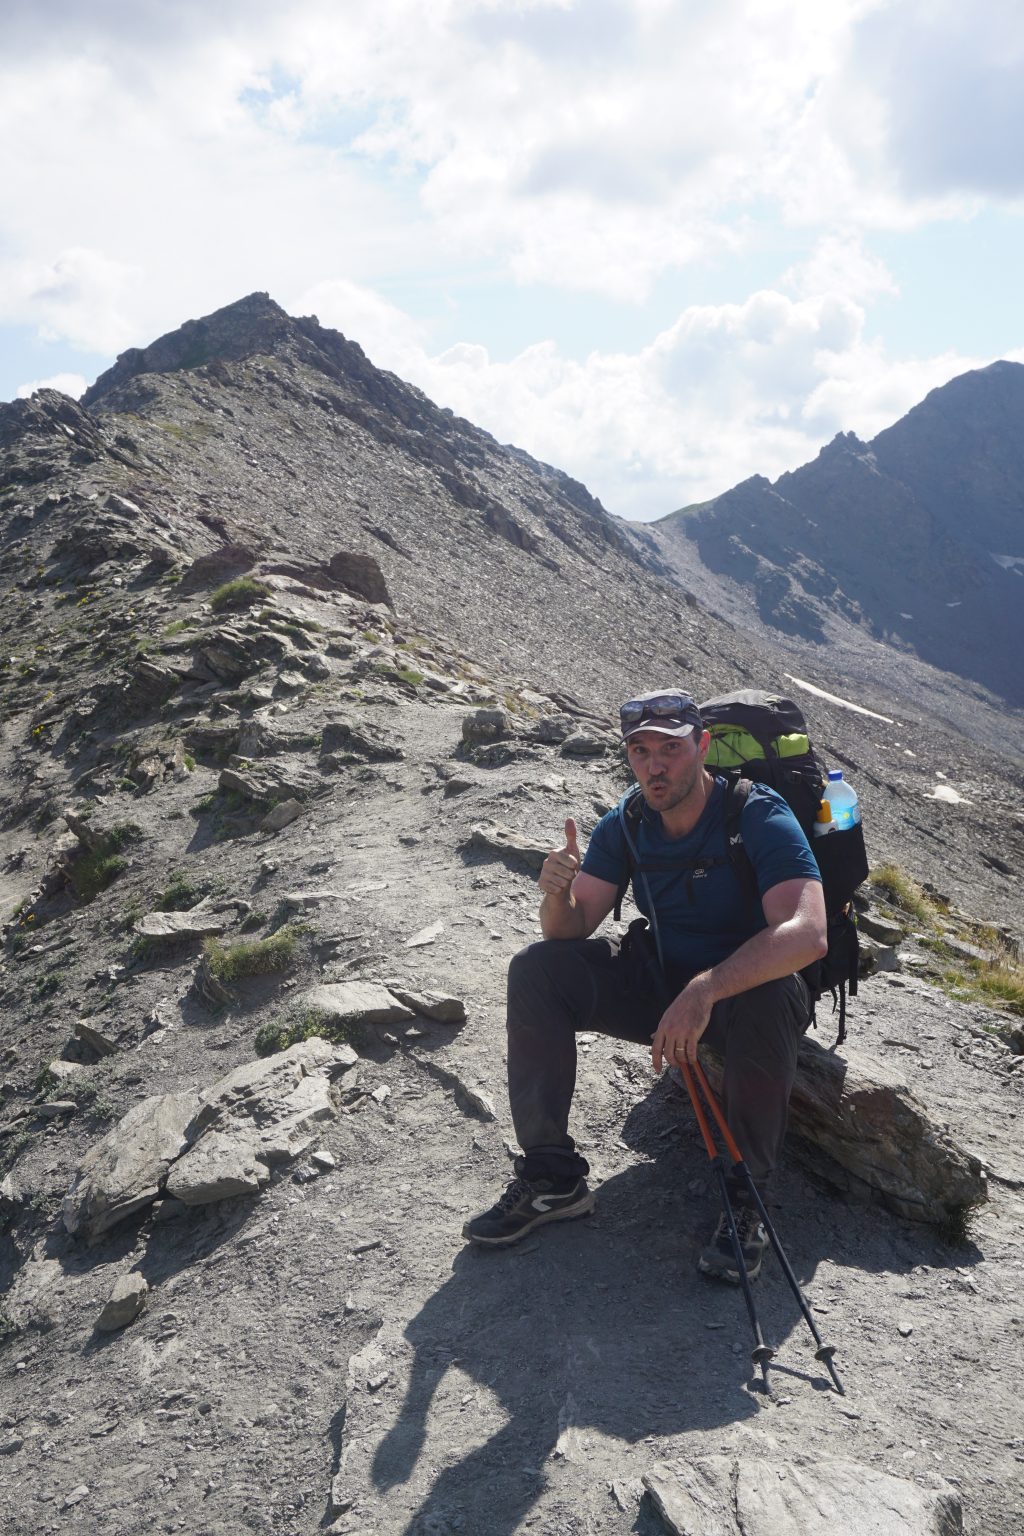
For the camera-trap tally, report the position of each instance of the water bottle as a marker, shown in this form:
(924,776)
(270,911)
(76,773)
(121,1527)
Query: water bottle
(839,809)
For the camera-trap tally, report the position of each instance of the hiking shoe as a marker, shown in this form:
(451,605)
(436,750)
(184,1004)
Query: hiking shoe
(718,1258)
(527,1204)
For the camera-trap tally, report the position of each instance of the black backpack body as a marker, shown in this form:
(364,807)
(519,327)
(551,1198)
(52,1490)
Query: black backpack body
(762,738)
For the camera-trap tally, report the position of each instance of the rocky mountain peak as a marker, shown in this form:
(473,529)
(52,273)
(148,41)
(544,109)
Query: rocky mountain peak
(248,327)
(941,492)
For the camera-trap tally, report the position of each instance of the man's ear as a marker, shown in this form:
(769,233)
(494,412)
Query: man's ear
(704,744)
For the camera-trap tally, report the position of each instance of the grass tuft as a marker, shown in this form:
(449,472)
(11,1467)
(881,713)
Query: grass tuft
(955,1229)
(93,871)
(240,593)
(905,893)
(251,957)
(179,895)
(96,868)
(271,1038)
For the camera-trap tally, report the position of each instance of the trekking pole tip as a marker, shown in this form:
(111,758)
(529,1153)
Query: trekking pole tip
(824,1354)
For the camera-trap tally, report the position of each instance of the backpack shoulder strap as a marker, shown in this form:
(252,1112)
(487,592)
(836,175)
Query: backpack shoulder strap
(737,793)
(630,811)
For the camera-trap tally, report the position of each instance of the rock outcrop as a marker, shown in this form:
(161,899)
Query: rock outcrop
(203,1147)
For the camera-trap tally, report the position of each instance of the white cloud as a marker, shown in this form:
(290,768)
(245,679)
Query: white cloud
(840,264)
(177,157)
(81,296)
(950,82)
(72,384)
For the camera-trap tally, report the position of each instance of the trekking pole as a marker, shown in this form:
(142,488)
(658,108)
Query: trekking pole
(824,1352)
(761,1353)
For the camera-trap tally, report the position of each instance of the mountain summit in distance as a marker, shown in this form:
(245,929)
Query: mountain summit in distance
(916,538)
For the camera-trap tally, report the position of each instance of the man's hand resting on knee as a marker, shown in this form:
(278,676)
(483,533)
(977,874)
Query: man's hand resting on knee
(682,1024)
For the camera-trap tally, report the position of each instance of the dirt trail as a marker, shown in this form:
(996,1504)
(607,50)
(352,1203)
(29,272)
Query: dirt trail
(334,1349)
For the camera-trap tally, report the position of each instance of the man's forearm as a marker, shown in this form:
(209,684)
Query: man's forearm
(561,918)
(772,953)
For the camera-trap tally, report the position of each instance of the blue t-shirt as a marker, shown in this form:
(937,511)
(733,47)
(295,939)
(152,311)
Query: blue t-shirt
(705,914)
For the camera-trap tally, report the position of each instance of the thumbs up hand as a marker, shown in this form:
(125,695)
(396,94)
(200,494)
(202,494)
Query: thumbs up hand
(562,865)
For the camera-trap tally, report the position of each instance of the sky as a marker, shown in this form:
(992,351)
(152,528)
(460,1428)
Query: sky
(660,244)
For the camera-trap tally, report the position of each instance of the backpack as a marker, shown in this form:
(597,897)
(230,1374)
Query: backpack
(761,738)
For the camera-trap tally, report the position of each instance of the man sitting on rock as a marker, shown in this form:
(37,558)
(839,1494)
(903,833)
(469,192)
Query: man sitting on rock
(731,965)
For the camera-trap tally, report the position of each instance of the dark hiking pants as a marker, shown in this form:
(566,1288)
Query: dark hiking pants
(560,987)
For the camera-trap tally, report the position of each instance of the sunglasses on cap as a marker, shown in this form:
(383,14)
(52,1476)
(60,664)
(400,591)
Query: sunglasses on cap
(677,708)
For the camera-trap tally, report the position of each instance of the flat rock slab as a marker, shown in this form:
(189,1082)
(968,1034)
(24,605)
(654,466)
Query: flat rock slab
(426,935)
(262,1114)
(202,1147)
(726,1496)
(356,1002)
(881,928)
(220,1166)
(506,844)
(126,1170)
(309,901)
(179,925)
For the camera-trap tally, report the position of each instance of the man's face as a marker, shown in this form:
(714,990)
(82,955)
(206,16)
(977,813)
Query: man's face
(667,768)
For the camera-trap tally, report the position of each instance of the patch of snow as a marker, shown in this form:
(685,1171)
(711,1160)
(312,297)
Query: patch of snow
(819,693)
(906,615)
(947,793)
(1010,563)
(957,604)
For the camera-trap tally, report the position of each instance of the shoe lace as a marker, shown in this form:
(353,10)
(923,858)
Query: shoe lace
(747,1219)
(513,1194)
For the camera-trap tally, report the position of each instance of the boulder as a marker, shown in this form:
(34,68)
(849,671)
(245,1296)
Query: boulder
(356,1002)
(310,901)
(94,1038)
(821,1496)
(481,726)
(432,1005)
(224,656)
(863,1116)
(281,816)
(360,575)
(220,1166)
(126,1170)
(209,1146)
(91,838)
(584,743)
(507,844)
(168,927)
(126,1301)
(881,928)
(874,956)
(552,730)
(348,743)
